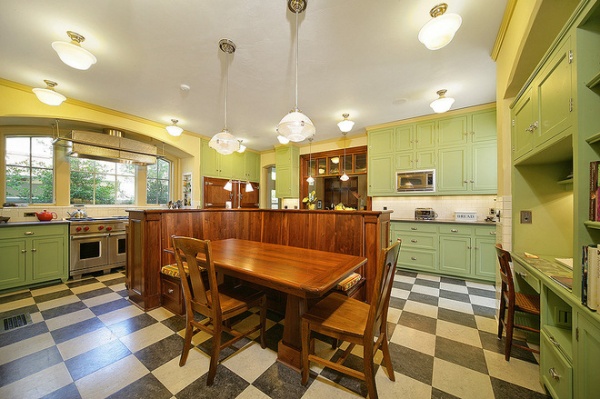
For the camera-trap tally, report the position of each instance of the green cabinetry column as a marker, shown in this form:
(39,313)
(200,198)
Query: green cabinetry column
(287,166)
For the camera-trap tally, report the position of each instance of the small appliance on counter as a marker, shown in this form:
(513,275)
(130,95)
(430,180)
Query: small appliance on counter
(425,214)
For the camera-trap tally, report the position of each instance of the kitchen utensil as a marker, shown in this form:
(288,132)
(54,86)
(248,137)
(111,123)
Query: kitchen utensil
(45,216)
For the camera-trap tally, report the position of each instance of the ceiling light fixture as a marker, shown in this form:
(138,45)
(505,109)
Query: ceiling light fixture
(73,54)
(173,129)
(296,126)
(242,147)
(346,125)
(48,95)
(249,187)
(443,103)
(310,180)
(344,176)
(282,140)
(228,186)
(224,142)
(440,30)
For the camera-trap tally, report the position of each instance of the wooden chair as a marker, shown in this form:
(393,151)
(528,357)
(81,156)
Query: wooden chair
(219,303)
(356,322)
(513,301)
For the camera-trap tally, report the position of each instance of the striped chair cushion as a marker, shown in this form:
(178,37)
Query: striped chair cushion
(173,270)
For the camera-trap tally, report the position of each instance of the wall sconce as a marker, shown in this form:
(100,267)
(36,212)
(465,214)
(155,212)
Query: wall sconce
(48,95)
(443,103)
(440,30)
(73,54)
(173,129)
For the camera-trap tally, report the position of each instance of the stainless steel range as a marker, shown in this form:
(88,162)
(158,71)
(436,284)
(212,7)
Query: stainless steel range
(97,244)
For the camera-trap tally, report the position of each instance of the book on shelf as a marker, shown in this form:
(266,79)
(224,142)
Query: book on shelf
(584,272)
(590,277)
(594,200)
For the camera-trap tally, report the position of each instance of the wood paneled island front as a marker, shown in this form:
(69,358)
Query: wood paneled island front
(362,233)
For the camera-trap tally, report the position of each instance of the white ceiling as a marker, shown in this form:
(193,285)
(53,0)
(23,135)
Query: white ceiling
(355,56)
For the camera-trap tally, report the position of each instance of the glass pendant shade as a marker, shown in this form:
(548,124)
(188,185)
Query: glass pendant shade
(73,54)
(443,103)
(282,140)
(249,187)
(48,96)
(440,30)
(296,126)
(224,143)
(310,180)
(346,125)
(173,129)
(228,186)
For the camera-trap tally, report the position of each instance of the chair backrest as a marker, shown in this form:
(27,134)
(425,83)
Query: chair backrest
(504,258)
(198,255)
(382,289)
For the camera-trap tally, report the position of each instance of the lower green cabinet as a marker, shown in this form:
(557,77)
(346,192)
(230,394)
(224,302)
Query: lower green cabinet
(33,254)
(453,249)
(587,358)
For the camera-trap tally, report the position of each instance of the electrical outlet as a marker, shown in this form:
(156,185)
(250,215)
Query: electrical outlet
(525,217)
(29,214)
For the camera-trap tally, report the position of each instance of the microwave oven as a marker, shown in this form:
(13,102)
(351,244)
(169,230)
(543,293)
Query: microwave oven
(415,181)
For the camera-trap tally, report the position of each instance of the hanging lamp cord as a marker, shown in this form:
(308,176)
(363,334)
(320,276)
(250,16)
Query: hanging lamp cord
(296,58)
(226,84)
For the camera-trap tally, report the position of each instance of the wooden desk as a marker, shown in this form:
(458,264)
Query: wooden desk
(301,273)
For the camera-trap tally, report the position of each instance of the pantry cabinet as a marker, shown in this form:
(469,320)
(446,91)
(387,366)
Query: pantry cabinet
(33,253)
(287,163)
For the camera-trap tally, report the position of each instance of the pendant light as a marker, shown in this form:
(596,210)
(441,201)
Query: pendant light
(282,140)
(73,54)
(346,125)
(249,187)
(228,186)
(440,30)
(48,95)
(224,142)
(443,103)
(242,147)
(173,129)
(311,179)
(296,126)
(344,176)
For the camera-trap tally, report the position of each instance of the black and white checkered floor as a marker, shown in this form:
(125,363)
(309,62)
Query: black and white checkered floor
(88,341)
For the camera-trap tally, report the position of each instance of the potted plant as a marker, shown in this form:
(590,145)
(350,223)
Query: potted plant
(310,200)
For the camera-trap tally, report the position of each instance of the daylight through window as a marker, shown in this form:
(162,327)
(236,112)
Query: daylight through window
(102,183)
(158,181)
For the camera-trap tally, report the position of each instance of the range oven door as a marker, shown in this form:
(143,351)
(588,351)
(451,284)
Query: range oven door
(117,249)
(88,250)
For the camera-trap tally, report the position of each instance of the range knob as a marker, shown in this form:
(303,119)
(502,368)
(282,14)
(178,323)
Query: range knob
(108,228)
(86,228)
(100,228)
(78,229)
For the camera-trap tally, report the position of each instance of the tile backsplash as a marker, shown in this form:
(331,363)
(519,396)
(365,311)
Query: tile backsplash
(444,206)
(19,213)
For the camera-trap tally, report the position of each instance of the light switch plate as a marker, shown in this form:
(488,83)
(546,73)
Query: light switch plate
(525,217)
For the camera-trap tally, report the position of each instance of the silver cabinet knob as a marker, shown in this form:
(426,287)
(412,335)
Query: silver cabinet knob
(170,290)
(413,258)
(553,374)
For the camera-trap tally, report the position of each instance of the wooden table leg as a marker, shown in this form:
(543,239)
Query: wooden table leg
(290,347)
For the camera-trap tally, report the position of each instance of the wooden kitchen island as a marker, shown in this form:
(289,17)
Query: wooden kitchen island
(362,233)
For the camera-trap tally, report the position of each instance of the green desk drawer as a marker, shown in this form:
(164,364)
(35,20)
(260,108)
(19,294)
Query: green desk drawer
(416,259)
(555,370)
(34,230)
(522,274)
(414,240)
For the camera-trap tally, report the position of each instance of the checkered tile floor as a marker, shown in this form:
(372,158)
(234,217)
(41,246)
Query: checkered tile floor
(88,341)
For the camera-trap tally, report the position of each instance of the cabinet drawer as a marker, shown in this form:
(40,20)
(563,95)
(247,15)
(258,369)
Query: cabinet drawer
(485,232)
(416,227)
(172,295)
(522,273)
(415,259)
(414,240)
(556,372)
(34,230)
(456,229)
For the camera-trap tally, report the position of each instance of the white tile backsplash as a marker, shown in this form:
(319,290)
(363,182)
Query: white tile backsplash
(17,214)
(444,206)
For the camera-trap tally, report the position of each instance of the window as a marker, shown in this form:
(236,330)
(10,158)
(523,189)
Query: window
(158,181)
(29,170)
(102,183)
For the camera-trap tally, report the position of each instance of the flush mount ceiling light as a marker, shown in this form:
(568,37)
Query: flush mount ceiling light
(224,142)
(296,126)
(439,31)
(173,129)
(73,54)
(443,103)
(48,95)
(346,125)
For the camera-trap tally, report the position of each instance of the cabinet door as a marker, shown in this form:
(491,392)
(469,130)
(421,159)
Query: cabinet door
(250,199)
(425,159)
(455,255)
(484,253)
(453,131)
(12,268)
(49,260)
(484,126)
(452,170)
(405,138)
(425,135)
(587,383)
(404,160)
(381,141)
(484,168)
(381,175)
(209,161)
(215,196)
(554,94)
(231,165)
(522,126)
(252,166)
(283,188)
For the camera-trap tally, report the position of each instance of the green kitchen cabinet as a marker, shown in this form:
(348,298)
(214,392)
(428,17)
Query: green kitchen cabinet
(251,166)
(484,168)
(587,357)
(33,254)
(244,166)
(452,174)
(468,169)
(455,250)
(381,175)
(381,141)
(419,246)
(483,126)
(415,146)
(453,131)
(287,164)
(523,125)
(484,253)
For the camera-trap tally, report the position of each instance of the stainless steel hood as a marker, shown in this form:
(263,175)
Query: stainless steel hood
(109,146)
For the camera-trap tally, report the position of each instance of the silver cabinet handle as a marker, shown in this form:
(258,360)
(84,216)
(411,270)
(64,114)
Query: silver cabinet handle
(170,290)
(413,228)
(23,251)
(465,181)
(492,233)
(554,342)
(33,250)
(413,258)
(553,374)
(413,241)
(29,233)
(454,230)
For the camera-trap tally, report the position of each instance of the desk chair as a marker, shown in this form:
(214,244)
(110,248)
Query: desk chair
(513,301)
(219,303)
(356,322)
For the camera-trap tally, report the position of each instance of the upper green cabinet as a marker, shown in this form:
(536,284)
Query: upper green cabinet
(245,166)
(287,163)
(461,148)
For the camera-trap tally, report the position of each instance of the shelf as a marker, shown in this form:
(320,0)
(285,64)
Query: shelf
(595,82)
(563,337)
(566,181)
(593,139)
(592,225)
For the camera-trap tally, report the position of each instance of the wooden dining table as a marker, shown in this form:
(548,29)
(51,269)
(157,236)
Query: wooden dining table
(299,272)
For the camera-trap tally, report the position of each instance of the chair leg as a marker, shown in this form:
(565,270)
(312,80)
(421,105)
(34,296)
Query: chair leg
(501,314)
(509,335)
(189,332)
(214,357)
(263,323)
(305,337)
(369,374)
(387,359)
